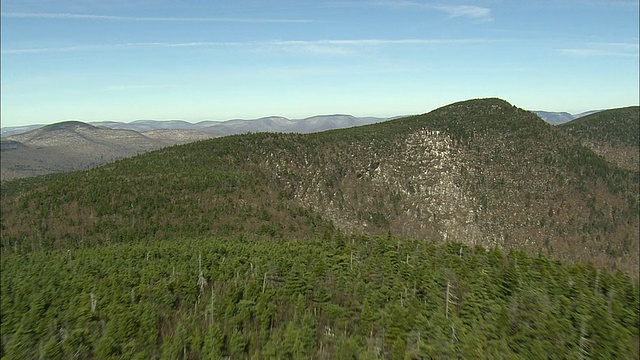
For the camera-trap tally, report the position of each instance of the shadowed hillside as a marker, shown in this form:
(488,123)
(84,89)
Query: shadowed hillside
(614,134)
(478,172)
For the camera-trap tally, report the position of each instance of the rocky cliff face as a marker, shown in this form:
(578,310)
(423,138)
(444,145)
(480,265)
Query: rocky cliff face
(477,173)
(411,188)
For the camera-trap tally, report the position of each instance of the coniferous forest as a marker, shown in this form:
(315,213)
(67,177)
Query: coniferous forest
(476,231)
(343,297)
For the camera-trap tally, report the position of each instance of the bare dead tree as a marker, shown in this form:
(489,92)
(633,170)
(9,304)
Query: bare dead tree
(582,344)
(94,302)
(202,282)
(448,299)
(454,335)
(264,282)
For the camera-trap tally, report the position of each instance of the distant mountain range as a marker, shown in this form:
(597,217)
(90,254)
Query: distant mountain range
(556,118)
(229,127)
(266,124)
(74,145)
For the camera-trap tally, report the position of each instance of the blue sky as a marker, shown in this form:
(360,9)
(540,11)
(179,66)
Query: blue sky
(198,60)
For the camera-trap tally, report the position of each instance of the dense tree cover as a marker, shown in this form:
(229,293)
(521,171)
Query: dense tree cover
(205,188)
(520,182)
(614,127)
(614,134)
(331,298)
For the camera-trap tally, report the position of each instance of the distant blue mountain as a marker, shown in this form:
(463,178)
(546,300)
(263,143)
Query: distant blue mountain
(557,118)
(230,127)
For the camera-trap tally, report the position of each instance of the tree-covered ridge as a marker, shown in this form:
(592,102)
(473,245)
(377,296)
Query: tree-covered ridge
(206,188)
(615,127)
(478,172)
(343,297)
(614,134)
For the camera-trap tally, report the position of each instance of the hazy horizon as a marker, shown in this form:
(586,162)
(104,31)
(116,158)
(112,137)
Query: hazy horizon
(263,117)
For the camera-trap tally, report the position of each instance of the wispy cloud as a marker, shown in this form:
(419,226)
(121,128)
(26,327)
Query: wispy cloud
(602,49)
(597,3)
(472,12)
(68,16)
(346,47)
(378,42)
(108,47)
(46,50)
(313,47)
(135,87)
(475,13)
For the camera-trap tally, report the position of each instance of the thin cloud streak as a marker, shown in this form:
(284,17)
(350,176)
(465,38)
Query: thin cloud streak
(317,46)
(51,49)
(476,13)
(135,87)
(468,11)
(603,49)
(106,47)
(378,42)
(594,52)
(347,47)
(68,16)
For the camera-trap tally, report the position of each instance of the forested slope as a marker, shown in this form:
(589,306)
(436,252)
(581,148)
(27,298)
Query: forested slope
(477,172)
(614,134)
(332,298)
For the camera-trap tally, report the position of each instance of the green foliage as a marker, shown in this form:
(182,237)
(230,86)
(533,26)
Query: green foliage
(309,299)
(613,134)
(479,166)
(614,127)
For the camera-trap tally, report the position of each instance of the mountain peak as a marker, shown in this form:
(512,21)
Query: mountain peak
(480,102)
(476,107)
(68,125)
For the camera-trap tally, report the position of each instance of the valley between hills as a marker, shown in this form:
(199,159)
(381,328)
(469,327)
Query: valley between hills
(504,235)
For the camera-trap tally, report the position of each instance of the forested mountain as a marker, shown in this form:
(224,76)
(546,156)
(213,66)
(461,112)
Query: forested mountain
(325,245)
(614,134)
(478,172)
